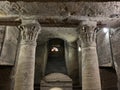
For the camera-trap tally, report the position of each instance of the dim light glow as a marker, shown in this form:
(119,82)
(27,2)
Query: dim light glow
(56,88)
(54,49)
(105,30)
(79,49)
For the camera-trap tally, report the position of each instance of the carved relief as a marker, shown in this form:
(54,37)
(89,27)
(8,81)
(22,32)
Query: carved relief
(29,32)
(8,8)
(87,34)
(17,8)
(5,7)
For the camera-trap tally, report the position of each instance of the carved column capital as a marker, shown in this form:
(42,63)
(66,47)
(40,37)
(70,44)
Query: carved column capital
(29,31)
(87,33)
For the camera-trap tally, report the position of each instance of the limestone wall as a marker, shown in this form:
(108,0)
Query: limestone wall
(73,62)
(104,49)
(9,45)
(41,57)
(61,8)
(115,39)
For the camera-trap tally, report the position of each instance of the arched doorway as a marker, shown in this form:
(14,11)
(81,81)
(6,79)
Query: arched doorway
(56,57)
(56,81)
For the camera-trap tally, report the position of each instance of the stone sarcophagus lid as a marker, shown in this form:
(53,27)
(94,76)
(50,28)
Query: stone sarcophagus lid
(56,81)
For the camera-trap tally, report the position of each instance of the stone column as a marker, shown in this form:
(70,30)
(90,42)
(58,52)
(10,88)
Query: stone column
(24,78)
(90,67)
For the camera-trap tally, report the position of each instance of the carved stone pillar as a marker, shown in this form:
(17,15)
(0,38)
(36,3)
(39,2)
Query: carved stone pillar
(90,67)
(24,78)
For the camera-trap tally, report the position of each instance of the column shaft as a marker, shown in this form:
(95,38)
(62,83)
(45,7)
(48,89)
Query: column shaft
(25,70)
(24,78)
(90,67)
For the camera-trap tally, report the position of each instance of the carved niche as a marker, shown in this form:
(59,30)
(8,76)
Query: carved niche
(8,44)
(104,49)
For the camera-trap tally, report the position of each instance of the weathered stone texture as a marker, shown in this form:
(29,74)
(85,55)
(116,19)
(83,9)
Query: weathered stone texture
(40,64)
(116,53)
(90,67)
(8,53)
(68,34)
(72,62)
(24,79)
(2,36)
(104,49)
(90,70)
(64,9)
(109,9)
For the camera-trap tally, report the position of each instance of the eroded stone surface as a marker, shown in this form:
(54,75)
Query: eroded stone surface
(116,53)
(110,9)
(24,79)
(64,9)
(104,49)
(10,42)
(90,67)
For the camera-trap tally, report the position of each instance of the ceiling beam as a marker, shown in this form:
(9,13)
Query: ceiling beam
(10,23)
(61,0)
(58,21)
(10,20)
(42,23)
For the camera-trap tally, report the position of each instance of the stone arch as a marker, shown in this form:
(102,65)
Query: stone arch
(56,80)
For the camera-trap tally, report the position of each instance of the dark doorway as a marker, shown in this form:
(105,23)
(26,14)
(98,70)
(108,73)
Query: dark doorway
(56,57)
(108,78)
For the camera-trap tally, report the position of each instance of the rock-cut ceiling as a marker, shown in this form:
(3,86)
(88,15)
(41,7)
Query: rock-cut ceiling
(63,13)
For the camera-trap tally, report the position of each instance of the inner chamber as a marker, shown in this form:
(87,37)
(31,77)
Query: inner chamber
(56,57)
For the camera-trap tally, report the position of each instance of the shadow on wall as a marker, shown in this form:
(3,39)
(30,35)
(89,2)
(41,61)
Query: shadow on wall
(5,77)
(108,78)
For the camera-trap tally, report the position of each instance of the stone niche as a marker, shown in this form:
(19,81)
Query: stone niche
(56,81)
(8,44)
(104,49)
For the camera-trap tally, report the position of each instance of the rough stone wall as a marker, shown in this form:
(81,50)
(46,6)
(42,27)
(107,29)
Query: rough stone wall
(9,48)
(41,56)
(109,9)
(105,55)
(73,62)
(115,39)
(104,49)
(2,36)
